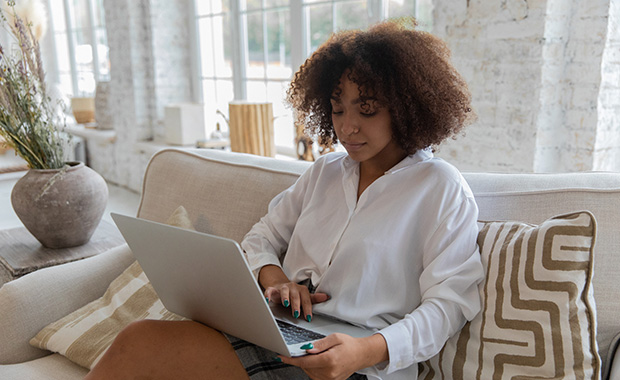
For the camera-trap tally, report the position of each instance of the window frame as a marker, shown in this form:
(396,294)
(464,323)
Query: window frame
(300,42)
(70,31)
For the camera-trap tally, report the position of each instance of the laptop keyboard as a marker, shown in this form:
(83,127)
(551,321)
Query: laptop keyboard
(295,334)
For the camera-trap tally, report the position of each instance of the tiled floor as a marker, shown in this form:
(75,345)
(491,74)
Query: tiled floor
(120,200)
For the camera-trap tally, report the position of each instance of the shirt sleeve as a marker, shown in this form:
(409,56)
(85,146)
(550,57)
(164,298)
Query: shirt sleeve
(268,239)
(449,289)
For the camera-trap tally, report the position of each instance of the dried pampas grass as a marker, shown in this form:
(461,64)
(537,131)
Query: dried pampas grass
(32,12)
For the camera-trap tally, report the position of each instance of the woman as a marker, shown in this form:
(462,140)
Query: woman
(383,236)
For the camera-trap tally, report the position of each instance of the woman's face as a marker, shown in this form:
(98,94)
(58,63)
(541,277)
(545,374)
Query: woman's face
(364,128)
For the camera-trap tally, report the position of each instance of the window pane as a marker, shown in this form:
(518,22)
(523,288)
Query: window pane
(351,15)
(217,94)
(58,15)
(86,83)
(62,52)
(401,8)
(207,48)
(279,49)
(276,3)
(424,14)
(203,7)
(84,57)
(222,50)
(79,14)
(225,94)
(208,92)
(215,54)
(99,14)
(210,7)
(251,5)
(104,54)
(320,18)
(255,55)
(284,130)
(276,94)
(257,91)
(66,85)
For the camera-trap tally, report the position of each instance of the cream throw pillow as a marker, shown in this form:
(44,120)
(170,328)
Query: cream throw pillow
(84,335)
(538,315)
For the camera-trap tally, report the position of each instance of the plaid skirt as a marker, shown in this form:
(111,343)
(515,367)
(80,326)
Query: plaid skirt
(260,363)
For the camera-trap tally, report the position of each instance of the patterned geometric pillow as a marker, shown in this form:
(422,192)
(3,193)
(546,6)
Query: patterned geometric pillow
(538,315)
(85,335)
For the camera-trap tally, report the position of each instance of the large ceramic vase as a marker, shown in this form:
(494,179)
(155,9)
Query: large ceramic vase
(61,207)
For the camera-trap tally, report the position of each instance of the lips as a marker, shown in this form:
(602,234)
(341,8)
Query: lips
(352,146)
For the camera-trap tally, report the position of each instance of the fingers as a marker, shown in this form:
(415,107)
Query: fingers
(326,343)
(314,360)
(318,297)
(295,296)
(272,294)
(285,296)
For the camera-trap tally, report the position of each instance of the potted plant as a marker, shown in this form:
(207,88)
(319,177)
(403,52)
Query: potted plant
(59,202)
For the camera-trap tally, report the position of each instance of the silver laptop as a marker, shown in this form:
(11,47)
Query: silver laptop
(206,278)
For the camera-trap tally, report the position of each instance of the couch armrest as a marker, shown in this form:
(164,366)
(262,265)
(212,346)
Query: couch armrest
(32,302)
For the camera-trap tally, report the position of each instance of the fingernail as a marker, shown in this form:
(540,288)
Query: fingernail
(309,318)
(267,299)
(296,314)
(286,303)
(307,346)
(277,359)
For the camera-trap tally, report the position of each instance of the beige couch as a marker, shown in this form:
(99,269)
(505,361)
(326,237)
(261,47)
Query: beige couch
(226,193)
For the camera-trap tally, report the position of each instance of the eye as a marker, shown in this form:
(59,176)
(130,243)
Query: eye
(336,112)
(368,114)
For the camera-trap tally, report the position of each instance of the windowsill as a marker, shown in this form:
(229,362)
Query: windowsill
(151,147)
(92,133)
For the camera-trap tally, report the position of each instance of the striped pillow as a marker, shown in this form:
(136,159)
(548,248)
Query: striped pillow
(538,314)
(84,335)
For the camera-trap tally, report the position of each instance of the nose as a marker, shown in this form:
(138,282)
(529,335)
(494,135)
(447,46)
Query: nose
(349,124)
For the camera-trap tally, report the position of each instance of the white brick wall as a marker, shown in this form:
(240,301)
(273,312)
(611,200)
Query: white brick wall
(534,69)
(150,68)
(607,150)
(544,74)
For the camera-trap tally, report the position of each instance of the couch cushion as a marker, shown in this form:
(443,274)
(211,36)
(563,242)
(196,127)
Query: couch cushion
(533,198)
(31,302)
(538,314)
(84,335)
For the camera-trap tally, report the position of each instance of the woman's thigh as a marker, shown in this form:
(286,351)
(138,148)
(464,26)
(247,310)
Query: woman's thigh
(169,350)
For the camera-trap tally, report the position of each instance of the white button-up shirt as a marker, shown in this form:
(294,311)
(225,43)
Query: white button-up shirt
(401,260)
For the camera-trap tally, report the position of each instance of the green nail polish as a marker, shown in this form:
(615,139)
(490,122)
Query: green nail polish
(286,304)
(307,346)
(267,299)
(309,318)
(296,314)
(277,359)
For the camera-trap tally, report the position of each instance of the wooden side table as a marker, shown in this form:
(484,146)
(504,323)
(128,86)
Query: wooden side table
(21,253)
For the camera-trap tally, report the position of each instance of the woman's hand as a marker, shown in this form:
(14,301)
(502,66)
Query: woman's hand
(279,289)
(338,356)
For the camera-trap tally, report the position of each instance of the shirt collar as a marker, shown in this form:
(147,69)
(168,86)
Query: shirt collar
(420,155)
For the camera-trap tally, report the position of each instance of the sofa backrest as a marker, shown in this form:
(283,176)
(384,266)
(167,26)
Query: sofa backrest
(226,193)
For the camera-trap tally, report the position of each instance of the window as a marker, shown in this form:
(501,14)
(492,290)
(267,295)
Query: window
(250,49)
(80,40)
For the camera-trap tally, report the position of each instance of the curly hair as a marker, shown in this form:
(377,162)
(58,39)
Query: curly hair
(406,70)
